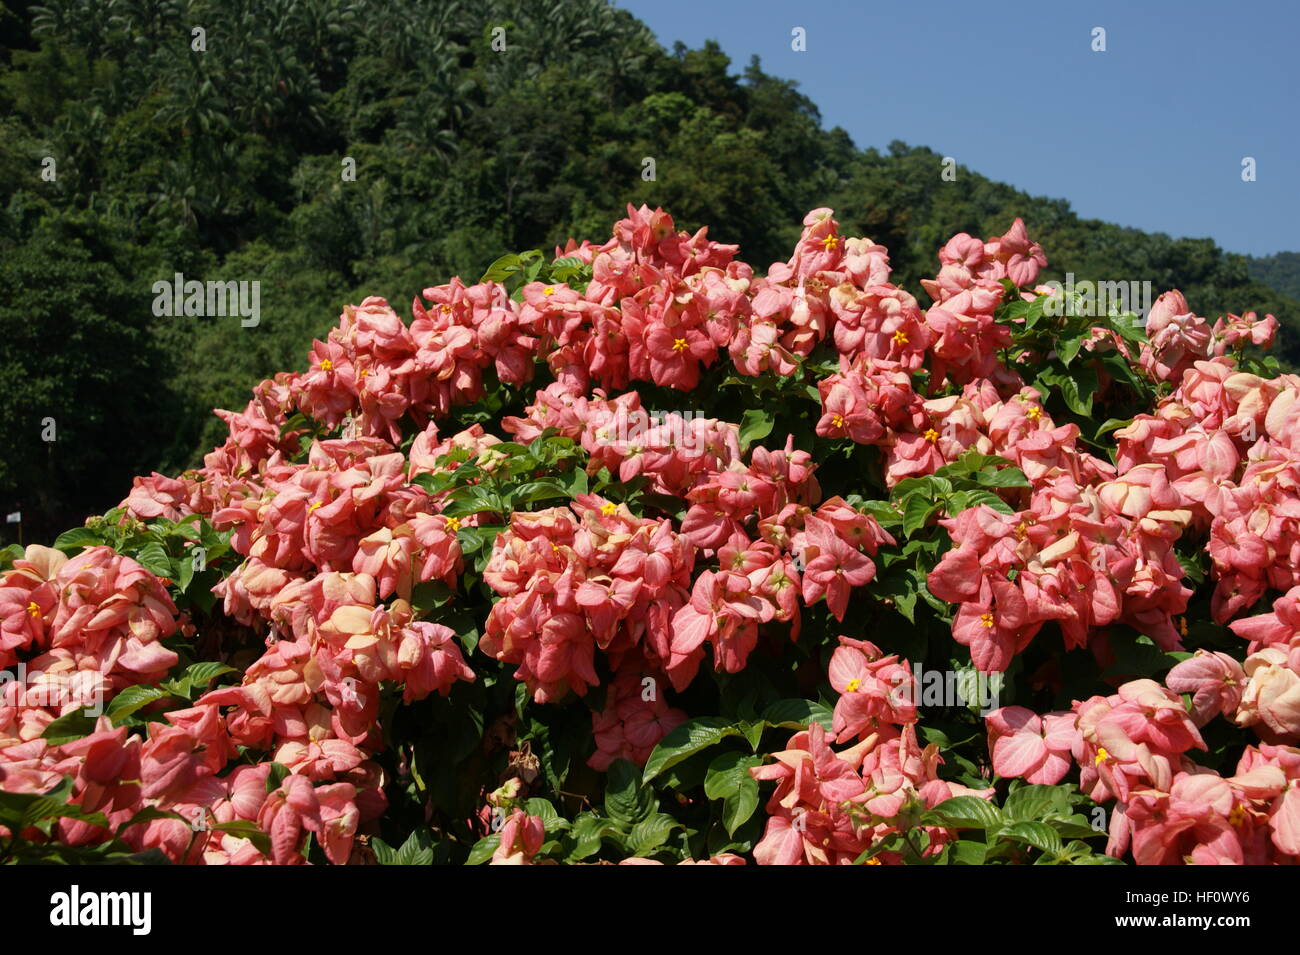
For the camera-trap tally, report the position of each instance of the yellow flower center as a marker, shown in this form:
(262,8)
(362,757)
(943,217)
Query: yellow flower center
(555,548)
(608,508)
(830,242)
(327,365)
(364,372)
(1021,530)
(314,505)
(1102,756)
(446,309)
(931,435)
(679,345)
(987,620)
(1238,815)
(900,337)
(548,291)
(874,861)
(34,609)
(453,524)
(837,420)
(852,686)
(1034,413)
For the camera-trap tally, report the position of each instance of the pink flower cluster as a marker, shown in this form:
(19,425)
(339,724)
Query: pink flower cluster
(1178,338)
(830,807)
(326,542)
(1131,749)
(574,579)
(334,538)
(75,633)
(1226,447)
(1091,548)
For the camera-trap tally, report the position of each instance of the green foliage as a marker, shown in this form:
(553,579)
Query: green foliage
(1033,825)
(227,164)
(1280,271)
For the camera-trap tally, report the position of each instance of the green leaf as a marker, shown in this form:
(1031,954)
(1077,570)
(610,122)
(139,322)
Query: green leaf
(728,778)
(916,512)
(1076,826)
(77,538)
(483,849)
(970,462)
(552,821)
(885,513)
(960,501)
(966,852)
(68,727)
(739,807)
(153,558)
(186,575)
(1036,803)
(502,268)
(1128,327)
(1112,424)
(1037,834)
(1137,655)
(201,674)
(1076,388)
(797,714)
(132,699)
(967,812)
(755,425)
(1067,349)
(276,776)
(1001,477)
(417,850)
(545,490)
(474,539)
(627,801)
(149,814)
(686,740)
(650,833)
(728,773)
(244,829)
(587,832)
(384,853)
(430,594)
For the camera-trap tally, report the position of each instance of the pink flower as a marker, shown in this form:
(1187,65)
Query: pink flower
(833,567)
(429,659)
(1214,679)
(521,839)
(1272,691)
(873,689)
(1035,748)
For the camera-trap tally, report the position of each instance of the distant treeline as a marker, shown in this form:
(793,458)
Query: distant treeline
(144,138)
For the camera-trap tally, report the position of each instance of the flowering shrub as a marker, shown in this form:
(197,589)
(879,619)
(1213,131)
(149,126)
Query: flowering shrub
(460,591)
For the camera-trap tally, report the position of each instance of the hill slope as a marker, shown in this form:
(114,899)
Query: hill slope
(1280,271)
(128,155)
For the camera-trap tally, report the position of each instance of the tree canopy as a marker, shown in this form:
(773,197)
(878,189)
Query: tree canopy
(144,138)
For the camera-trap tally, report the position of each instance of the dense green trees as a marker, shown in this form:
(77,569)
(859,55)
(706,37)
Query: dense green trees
(1280,271)
(227,163)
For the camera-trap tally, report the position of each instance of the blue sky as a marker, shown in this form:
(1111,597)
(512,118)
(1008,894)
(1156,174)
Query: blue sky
(1150,133)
